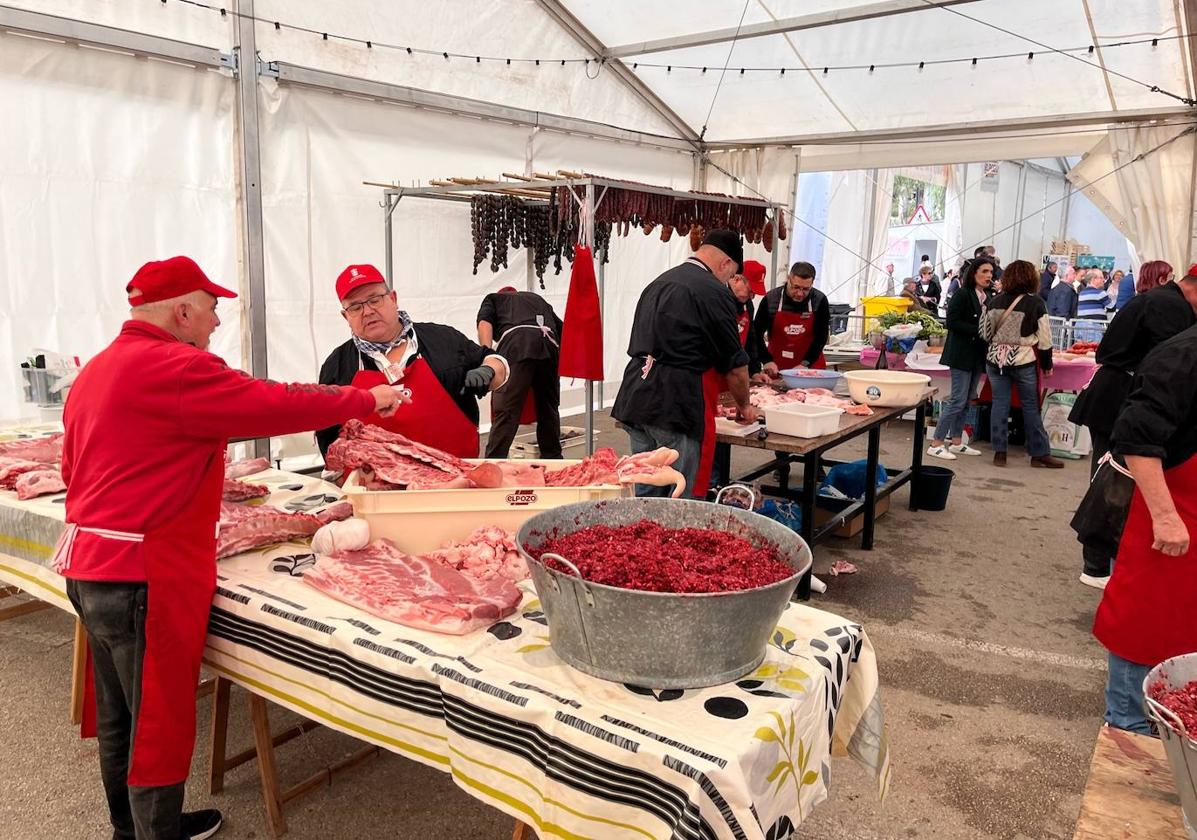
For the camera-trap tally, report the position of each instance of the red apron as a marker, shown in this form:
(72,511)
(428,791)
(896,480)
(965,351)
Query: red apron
(432,418)
(180,569)
(1147,612)
(791,337)
(714,383)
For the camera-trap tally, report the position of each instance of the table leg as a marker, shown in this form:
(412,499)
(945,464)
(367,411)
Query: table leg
(870,497)
(810,479)
(218,736)
(267,769)
(916,457)
(78,673)
(783,470)
(523,831)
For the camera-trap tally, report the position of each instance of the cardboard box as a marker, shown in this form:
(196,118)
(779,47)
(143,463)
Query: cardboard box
(854,525)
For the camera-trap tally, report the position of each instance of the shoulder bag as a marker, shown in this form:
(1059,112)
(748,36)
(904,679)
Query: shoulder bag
(1002,355)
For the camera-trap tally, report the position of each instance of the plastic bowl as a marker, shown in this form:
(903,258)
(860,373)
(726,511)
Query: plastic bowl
(811,378)
(886,388)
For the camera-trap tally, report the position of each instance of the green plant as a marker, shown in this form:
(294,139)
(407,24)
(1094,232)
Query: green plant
(924,319)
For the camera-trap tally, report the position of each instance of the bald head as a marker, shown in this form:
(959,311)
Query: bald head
(720,264)
(191,318)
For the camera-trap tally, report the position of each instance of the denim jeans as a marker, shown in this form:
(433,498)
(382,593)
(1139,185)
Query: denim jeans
(114,616)
(1124,695)
(952,413)
(648,438)
(1026,379)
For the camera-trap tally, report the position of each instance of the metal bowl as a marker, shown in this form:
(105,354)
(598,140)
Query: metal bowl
(660,639)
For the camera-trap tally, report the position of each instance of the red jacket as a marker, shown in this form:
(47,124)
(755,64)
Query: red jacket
(143,422)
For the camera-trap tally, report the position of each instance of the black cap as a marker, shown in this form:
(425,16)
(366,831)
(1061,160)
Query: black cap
(727,241)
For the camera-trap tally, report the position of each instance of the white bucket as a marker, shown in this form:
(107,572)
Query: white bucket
(1181,746)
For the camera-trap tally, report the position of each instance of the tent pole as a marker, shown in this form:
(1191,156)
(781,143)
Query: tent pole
(602,283)
(588,236)
(388,243)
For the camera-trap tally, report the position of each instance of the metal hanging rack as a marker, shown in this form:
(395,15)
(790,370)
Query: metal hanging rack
(535,189)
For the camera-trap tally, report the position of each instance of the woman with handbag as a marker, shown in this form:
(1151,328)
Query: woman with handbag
(1147,612)
(1019,334)
(964,355)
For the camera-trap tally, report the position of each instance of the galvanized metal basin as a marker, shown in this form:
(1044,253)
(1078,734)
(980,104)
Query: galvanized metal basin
(656,639)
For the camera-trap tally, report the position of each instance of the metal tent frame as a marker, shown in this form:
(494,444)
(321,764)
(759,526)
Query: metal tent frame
(594,190)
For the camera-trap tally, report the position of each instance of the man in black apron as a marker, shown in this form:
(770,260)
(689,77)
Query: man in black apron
(529,337)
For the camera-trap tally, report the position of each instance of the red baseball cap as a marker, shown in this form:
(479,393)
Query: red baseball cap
(166,279)
(754,273)
(508,289)
(357,275)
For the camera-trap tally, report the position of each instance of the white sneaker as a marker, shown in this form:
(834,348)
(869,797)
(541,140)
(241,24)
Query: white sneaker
(1095,582)
(941,452)
(964,449)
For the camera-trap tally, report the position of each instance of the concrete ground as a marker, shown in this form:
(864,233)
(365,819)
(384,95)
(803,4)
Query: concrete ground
(991,683)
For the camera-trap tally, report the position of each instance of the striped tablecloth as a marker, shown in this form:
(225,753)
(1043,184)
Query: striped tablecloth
(572,755)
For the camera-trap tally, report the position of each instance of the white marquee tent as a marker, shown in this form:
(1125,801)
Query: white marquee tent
(137,129)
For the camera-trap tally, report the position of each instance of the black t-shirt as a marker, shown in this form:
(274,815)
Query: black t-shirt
(815,302)
(505,310)
(1159,419)
(686,322)
(447,352)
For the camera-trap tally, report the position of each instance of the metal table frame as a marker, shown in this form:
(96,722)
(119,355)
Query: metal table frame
(809,453)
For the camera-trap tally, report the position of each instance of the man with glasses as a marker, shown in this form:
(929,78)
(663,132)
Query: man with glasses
(444,371)
(795,322)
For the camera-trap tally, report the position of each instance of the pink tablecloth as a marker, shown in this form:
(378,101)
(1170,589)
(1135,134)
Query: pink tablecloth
(1069,374)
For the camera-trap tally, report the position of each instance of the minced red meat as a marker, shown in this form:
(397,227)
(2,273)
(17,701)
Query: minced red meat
(1182,702)
(650,557)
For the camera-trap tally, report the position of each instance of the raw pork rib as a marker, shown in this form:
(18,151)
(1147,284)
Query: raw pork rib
(239,491)
(598,468)
(11,469)
(392,458)
(248,466)
(243,527)
(416,591)
(44,450)
(41,482)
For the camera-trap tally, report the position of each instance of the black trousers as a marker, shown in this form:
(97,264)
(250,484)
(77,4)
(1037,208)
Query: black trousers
(1097,563)
(114,616)
(540,377)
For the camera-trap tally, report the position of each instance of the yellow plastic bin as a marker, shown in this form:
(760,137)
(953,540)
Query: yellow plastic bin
(875,306)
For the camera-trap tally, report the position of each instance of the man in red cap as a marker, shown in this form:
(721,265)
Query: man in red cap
(529,337)
(147,423)
(444,371)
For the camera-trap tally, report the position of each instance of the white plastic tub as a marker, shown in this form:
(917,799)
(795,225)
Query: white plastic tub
(886,388)
(423,520)
(802,420)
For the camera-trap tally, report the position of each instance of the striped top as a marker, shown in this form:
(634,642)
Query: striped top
(1092,303)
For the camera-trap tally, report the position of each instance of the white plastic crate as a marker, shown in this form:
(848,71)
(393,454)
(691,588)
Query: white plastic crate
(423,520)
(572,437)
(802,420)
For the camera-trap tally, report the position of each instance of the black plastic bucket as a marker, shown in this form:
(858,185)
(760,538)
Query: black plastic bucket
(930,487)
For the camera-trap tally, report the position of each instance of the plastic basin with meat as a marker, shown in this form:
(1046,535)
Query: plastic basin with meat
(810,378)
(660,639)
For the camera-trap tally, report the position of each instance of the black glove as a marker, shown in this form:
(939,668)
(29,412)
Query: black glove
(479,379)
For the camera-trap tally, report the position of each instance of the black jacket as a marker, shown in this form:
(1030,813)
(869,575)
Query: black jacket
(964,348)
(449,353)
(1159,419)
(777,298)
(1146,321)
(506,310)
(933,291)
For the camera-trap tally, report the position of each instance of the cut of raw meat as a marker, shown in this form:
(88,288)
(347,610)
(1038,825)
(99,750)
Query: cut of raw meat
(240,491)
(416,591)
(598,468)
(487,553)
(12,469)
(392,458)
(41,482)
(654,468)
(44,450)
(243,527)
(248,466)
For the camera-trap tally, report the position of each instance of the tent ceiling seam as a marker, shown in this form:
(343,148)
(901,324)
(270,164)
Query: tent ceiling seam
(1185,18)
(1101,59)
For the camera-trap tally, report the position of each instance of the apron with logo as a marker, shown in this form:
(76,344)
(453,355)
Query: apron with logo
(791,337)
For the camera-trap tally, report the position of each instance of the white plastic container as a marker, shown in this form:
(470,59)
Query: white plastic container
(802,420)
(525,447)
(886,388)
(423,520)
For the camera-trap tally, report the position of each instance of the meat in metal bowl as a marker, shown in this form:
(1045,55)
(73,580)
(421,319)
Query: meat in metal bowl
(660,639)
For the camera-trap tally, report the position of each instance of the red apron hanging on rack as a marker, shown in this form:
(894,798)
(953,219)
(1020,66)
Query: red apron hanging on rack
(714,383)
(791,337)
(1146,613)
(431,418)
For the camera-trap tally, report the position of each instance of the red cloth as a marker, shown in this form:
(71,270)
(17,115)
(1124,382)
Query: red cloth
(432,418)
(165,279)
(582,334)
(1146,612)
(143,421)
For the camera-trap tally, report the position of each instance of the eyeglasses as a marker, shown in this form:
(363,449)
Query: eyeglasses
(374,302)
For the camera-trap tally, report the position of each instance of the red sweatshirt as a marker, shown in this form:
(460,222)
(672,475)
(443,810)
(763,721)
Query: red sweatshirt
(143,422)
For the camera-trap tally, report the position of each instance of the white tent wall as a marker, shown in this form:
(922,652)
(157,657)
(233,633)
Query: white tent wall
(106,162)
(1088,225)
(1019,214)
